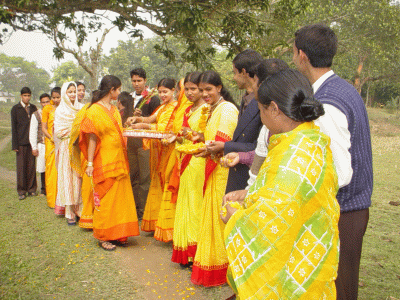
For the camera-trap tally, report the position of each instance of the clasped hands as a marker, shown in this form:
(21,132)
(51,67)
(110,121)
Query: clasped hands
(235,196)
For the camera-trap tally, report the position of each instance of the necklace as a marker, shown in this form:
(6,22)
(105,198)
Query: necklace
(216,103)
(105,105)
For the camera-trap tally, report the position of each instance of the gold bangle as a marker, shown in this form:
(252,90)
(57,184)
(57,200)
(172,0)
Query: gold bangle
(89,164)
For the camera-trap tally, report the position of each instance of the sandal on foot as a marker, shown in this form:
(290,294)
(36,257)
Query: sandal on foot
(107,246)
(71,222)
(121,243)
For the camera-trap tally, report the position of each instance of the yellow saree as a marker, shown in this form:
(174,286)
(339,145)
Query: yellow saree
(284,243)
(166,217)
(190,198)
(50,157)
(115,217)
(211,262)
(159,156)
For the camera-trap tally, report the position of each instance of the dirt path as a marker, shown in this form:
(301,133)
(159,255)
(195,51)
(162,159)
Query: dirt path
(148,263)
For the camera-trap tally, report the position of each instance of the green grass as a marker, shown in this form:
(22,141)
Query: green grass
(42,258)
(8,158)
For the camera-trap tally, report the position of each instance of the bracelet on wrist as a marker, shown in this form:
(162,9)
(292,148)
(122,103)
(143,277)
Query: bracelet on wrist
(89,164)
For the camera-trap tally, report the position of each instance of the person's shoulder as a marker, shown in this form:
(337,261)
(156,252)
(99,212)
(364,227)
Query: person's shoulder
(229,106)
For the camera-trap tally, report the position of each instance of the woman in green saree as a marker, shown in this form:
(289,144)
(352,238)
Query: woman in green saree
(282,242)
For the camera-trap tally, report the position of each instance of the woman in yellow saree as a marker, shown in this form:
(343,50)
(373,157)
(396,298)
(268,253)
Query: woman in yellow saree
(166,216)
(283,242)
(188,184)
(103,146)
(211,262)
(50,155)
(161,120)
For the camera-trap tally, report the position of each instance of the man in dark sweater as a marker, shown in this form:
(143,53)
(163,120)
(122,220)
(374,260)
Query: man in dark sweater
(249,122)
(138,157)
(346,122)
(20,121)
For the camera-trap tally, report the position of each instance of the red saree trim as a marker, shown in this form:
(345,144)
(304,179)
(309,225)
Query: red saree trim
(184,256)
(117,232)
(163,235)
(59,210)
(210,164)
(148,226)
(86,223)
(209,276)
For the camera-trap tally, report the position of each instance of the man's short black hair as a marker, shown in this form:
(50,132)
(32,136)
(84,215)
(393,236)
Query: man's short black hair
(139,72)
(268,67)
(56,89)
(26,90)
(44,95)
(246,59)
(318,42)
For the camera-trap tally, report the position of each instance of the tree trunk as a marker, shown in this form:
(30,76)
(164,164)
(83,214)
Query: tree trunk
(357,78)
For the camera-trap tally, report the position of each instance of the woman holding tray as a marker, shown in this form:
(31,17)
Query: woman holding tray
(103,146)
(218,121)
(160,120)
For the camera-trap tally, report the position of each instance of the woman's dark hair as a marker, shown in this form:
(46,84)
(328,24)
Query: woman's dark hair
(126,100)
(78,83)
(293,94)
(71,84)
(193,77)
(213,78)
(107,83)
(169,83)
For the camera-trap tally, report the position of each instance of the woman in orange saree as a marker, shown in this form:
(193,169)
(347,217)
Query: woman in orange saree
(160,120)
(211,261)
(103,146)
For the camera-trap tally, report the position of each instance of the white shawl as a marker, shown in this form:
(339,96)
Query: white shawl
(65,113)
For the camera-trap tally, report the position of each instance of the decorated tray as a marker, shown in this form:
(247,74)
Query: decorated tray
(190,148)
(142,133)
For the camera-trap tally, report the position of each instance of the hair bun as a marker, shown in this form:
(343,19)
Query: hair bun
(310,109)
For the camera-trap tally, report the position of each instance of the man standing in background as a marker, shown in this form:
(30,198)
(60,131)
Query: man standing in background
(36,139)
(20,121)
(139,164)
(346,123)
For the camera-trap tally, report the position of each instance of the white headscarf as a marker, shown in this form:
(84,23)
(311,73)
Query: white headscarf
(65,112)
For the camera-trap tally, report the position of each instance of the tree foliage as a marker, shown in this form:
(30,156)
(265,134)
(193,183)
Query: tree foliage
(69,71)
(16,72)
(203,26)
(368,36)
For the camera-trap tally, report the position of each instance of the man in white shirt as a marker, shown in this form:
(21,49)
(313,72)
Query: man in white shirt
(36,139)
(346,122)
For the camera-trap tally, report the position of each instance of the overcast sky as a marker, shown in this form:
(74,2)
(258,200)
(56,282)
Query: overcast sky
(36,47)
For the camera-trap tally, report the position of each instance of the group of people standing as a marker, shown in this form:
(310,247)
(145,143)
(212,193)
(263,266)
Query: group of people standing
(262,204)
